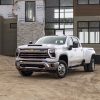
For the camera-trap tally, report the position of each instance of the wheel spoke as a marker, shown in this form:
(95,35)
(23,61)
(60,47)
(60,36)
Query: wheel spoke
(61,69)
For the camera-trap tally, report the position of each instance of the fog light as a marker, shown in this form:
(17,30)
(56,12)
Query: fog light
(17,64)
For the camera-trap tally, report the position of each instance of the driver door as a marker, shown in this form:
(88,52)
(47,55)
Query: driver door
(78,51)
(70,52)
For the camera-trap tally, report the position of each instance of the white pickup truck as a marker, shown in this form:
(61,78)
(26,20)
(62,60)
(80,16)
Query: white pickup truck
(54,54)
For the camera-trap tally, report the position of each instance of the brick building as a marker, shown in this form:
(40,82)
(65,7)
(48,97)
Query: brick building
(87,23)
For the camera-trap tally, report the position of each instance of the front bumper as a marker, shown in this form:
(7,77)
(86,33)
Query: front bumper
(36,65)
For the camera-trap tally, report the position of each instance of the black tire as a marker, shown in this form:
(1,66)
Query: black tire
(91,66)
(62,69)
(25,73)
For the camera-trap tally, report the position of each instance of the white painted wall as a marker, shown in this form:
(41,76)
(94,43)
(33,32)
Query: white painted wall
(20,11)
(6,11)
(40,11)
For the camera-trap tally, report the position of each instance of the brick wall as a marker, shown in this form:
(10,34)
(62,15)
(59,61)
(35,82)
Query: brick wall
(29,31)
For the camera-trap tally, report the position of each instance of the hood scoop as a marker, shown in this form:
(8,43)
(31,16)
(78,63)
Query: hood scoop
(34,45)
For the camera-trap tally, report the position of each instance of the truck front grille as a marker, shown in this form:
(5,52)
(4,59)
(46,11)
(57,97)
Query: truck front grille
(36,55)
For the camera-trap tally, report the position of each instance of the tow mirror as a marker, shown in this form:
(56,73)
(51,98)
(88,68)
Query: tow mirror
(70,47)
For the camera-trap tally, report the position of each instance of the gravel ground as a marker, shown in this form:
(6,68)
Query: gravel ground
(77,85)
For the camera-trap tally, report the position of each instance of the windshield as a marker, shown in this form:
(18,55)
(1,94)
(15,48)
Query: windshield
(52,40)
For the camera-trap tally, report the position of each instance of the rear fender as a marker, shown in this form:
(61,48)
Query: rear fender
(88,53)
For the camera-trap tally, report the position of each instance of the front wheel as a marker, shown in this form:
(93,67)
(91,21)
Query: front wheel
(25,73)
(62,69)
(91,66)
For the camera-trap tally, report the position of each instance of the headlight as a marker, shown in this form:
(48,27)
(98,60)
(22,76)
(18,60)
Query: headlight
(52,52)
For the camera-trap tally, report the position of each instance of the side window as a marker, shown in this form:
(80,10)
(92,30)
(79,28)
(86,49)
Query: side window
(69,42)
(76,43)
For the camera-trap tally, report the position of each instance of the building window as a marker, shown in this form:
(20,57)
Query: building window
(13,25)
(93,1)
(66,2)
(30,11)
(82,1)
(64,13)
(89,32)
(58,17)
(56,13)
(6,2)
(88,1)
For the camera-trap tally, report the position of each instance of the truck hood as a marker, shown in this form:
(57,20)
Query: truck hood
(43,46)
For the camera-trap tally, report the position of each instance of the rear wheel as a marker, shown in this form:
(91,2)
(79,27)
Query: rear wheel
(25,73)
(91,66)
(62,69)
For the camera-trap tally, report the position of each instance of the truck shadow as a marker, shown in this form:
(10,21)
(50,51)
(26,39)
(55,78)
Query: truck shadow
(76,72)
(72,72)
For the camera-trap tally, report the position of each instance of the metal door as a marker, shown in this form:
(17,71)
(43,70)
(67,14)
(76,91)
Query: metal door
(9,37)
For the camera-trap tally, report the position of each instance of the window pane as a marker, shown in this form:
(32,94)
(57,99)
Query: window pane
(69,32)
(69,25)
(83,24)
(82,1)
(97,37)
(52,14)
(13,25)
(54,3)
(93,1)
(69,42)
(56,15)
(66,2)
(94,24)
(52,25)
(61,15)
(62,10)
(30,11)
(49,32)
(56,26)
(61,26)
(6,2)
(56,10)
(83,35)
(94,35)
(59,32)
(68,13)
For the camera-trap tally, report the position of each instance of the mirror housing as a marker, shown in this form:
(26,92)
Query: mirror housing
(75,44)
(70,47)
(30,42)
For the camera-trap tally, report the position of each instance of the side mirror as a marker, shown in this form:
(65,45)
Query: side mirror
(75,44)
(70,47)
(30,42)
